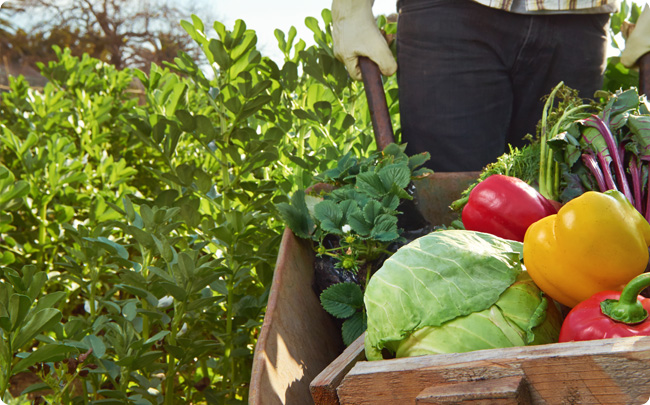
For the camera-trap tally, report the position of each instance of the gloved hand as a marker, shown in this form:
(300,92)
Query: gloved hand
(638,42)
(355,33)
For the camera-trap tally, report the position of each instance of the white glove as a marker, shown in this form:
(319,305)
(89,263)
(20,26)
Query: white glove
(638,42)
(355,33)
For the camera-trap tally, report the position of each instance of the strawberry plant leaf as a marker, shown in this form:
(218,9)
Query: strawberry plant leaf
(330,216)
(385,228)
(395,175)
(342,300)
(353,327)
(371,184)
(296,215)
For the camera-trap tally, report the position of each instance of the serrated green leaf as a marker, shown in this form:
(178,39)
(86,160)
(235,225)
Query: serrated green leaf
(418,160)
(395,174)
(385,228)
(353,327)
(371,184)
(372,210)
(390,202)
(342,300)
(358,222)
(330,216)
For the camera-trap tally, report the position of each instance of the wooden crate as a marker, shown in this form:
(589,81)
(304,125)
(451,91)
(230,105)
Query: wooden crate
(298,339)
(610,371)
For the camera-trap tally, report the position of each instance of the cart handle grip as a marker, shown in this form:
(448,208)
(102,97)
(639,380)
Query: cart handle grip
(644,74)
(374,88)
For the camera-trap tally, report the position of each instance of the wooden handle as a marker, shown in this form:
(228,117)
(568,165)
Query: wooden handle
(644,74)
(374,88)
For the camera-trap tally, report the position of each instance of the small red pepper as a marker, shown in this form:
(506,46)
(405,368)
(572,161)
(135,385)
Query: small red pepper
(505,206)
(610,314)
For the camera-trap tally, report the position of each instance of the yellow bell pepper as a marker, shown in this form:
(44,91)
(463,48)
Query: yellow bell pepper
(596,242)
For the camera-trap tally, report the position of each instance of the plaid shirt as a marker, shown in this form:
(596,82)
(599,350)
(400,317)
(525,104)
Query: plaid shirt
(554,5)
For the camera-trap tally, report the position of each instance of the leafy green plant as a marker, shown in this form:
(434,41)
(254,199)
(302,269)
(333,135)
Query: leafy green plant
(25,314)
(57,142)
(149,201)
(355,222)
(362,207)
(442,310)
(616,75)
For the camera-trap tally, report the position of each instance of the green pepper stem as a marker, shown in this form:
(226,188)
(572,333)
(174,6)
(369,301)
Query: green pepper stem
(460,203)
(628,309)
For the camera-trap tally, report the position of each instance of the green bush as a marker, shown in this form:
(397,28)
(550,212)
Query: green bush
(139,228)
(138,219)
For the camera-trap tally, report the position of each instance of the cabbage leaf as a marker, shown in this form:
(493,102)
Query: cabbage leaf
(451,275)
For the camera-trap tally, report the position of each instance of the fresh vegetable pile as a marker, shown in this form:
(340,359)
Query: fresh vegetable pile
(559,224)
(583,219)
(462,290)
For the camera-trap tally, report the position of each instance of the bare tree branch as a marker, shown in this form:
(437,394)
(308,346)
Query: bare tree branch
(125,33)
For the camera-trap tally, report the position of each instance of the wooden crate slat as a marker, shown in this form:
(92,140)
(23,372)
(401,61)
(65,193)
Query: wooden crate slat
(611,371)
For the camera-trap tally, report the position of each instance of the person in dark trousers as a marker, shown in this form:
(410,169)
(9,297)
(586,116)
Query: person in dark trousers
(472,74)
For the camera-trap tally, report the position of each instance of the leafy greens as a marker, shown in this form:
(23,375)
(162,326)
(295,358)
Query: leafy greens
(453,291)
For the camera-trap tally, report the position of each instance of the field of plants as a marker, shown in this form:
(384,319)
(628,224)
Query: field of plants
(139,221)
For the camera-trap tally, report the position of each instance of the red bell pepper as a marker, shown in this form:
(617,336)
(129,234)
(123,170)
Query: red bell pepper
(505,206)
(610,314)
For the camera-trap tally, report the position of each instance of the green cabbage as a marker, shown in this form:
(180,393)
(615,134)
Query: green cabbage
(455,291)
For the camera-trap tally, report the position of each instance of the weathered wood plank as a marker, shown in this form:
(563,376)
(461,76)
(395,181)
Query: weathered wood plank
(323,387)
(611,371)
(298,338)
(501,391)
